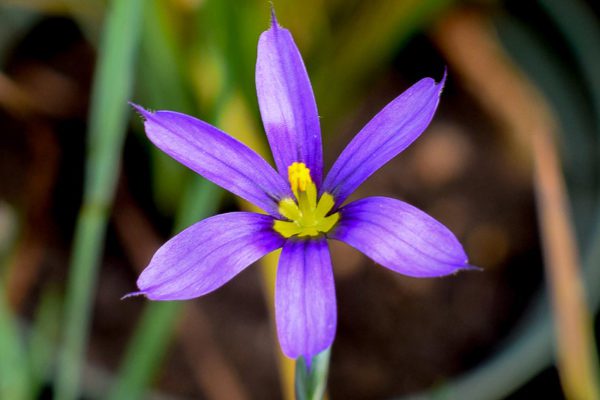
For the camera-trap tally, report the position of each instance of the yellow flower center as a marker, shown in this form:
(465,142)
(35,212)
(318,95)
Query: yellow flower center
(306,216)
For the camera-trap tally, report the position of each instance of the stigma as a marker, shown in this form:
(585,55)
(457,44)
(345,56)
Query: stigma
(306,216)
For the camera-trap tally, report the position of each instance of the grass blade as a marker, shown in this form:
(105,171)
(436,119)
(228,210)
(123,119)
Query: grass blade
(530,347)
(107,126)
(155,330)
(14,371)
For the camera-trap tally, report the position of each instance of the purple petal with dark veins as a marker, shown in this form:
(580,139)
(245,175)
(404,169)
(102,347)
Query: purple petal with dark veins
(287,103)
(385,136)
(216,156)
(305,306)
(207,255)
(400,237)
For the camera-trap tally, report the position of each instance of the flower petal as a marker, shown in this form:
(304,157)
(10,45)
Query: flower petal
(216,156)
(207,255)
(386,135)
(305,306)
(287,103)
(400,237)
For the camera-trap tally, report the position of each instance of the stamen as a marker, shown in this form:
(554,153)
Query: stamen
(306,215)
(299,176)
(289,209)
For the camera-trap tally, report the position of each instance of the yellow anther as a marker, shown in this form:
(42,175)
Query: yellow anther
(299,176)
(306,215)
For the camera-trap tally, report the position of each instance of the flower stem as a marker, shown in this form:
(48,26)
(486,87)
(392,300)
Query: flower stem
(311,379)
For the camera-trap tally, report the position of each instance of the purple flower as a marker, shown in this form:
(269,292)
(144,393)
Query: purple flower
(302,209)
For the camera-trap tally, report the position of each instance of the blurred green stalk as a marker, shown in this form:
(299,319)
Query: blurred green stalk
(43,339)
(164,66)
(162,56)
(528,350)
(14,371)
(14,374)
(575,349)
(580,28)
(558,85)
(146,350)
(107,127)
(576,354)
(362,45)
(155,330)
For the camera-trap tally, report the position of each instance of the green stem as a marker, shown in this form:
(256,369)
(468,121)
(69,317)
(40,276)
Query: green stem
(107,127)
(311,381)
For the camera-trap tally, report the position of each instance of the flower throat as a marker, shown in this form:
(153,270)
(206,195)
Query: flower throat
(306,216)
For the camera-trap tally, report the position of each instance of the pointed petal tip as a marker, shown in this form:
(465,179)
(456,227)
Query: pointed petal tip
(469,267)
(442,82)
(133,294)
(453,270)
(386,135)
(465,267)
(287,102)
(274,23)
(207,255)
(401,238)
(136,107)
(142,112)
(216,156)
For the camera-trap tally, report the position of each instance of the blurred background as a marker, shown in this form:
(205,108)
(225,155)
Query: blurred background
(510,164)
